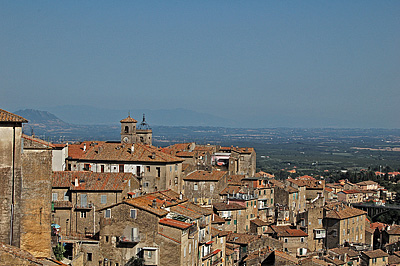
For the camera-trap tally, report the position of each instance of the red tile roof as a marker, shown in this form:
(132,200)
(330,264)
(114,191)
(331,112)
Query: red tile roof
(378,253)
(10,117)
(222,206)
(128,119)
(109,151)
(240,238)
(205,176)
(286,231)
(174,223)
(91,181)
(39,141)
(342,212)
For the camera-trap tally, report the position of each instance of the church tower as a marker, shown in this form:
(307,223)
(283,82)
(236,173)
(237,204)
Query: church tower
(128,130)
(144,134)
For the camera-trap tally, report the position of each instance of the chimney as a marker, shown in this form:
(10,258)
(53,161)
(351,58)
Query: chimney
(153,155)
(84,146)
(132,148)
(76,182)
(180,196)
(154,204)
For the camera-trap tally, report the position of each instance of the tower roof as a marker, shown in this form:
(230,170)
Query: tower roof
(10,117)
(129,119)
(144,125)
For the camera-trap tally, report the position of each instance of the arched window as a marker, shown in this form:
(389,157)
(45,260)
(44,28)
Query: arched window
(126,129)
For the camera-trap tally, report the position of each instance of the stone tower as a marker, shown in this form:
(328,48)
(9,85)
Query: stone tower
(144,134)
(128,130)
(10,177)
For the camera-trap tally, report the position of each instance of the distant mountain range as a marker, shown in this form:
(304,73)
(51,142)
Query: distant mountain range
(88,115)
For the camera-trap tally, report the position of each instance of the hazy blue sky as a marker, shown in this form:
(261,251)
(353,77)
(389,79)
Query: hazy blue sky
(268,63)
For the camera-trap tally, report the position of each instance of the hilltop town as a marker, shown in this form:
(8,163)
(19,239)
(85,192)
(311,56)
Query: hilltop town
(128,202)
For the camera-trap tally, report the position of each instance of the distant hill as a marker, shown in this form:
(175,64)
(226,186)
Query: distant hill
(41,117)
(89,115)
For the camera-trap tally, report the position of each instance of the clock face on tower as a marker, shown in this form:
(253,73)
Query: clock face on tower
(125,139)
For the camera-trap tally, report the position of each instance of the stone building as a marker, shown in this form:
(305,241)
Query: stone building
(36,196)
(154,169)
(343,224)
(376,257)
(288,196)
(131,133)
(161,227)
(294,240)
(234,215)
(203,187)
(350,196)
(77,195)
(10,177)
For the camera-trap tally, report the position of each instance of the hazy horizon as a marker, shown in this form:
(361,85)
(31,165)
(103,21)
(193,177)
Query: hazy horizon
(262,63)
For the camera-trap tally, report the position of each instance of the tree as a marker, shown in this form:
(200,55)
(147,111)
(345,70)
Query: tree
(59,251)
(135,261)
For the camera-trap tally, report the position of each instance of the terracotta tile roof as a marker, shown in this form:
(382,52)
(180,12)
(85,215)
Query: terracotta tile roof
(216,219)
(235,180)
(19,253)
(351,191)
(264,174)
(344,250)
(308,183)
(342,212)
(313,261)
(377,253)
(263,252)
(128,119)
(162,199)
(378,225)
(394,230)
(181,210)
(230,190)
(240,239)
(259,222)
(286,256)
(393,259)
(205,176)
(222,206)
(175,223)
(10,117)
(37,140)
(365,183)
(91,180)
(196,208)
(286,231)
(111,151)
(185,154)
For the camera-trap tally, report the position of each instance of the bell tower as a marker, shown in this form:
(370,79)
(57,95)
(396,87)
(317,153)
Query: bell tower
(128,130)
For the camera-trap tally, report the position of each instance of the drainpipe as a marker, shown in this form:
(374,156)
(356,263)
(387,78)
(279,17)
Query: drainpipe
(12,190)
(94,219)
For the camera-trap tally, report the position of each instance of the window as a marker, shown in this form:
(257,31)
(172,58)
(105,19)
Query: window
(54,196)
(184,252)
(149,254)
(374,260)
(195,186)
(229,222)
(176,167)
(240,212)
(285,240)
(89,256)
(272,201)
(383,258)
(235,222)
(320,221)
(83,214)
(170,168)
(133,213)
(107,239)
(286,250)
(158,169)
(121,168)
(86,167)
(302,240)
(66,196)
(148,169)
(146,184)
(126,129)
(103,199)
(84,200)
(102,168)
(190,248)
(107,214)
(211,187)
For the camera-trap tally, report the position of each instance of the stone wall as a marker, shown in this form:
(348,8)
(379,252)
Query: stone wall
(36,203)
(10,179)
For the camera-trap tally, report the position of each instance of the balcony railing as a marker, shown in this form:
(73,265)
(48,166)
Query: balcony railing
(319,233)
(88,206)
(128,240)
(242,196)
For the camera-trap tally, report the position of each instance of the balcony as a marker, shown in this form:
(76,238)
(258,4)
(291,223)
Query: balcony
(123,240)
(319,233)
(241,196)
(84,206)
